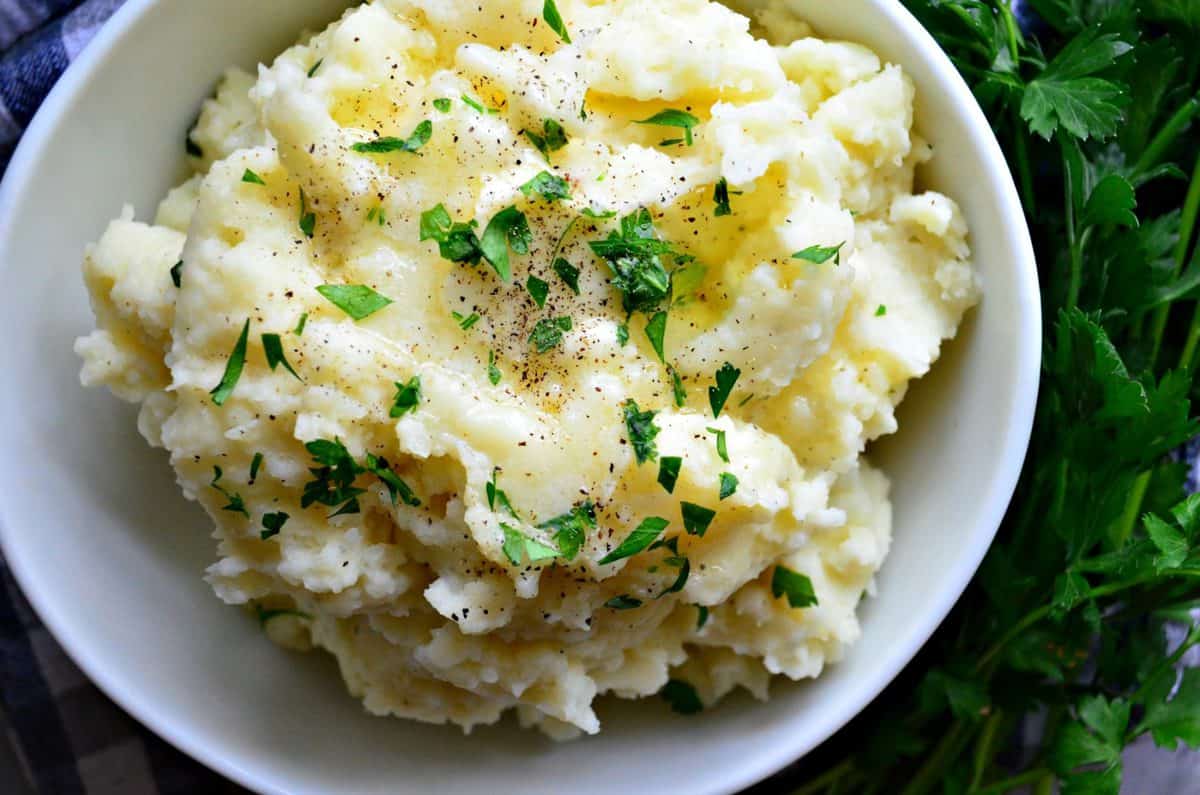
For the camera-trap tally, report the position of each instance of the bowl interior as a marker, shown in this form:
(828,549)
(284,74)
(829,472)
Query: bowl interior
(111,555)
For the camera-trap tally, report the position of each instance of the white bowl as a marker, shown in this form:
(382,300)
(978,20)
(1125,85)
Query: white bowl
(111,555)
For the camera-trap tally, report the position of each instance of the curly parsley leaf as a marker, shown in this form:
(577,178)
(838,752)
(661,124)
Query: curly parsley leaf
(333,480)
(356,300)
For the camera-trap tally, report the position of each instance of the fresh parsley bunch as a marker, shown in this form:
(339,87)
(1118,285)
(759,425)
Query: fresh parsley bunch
(1096,108)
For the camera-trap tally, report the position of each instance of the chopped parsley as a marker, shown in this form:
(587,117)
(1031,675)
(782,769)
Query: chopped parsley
(696,518)
(420,136)
(656,331)
(548,333)
(881,310)
(598,215)
(797,587)
(722,448)
(377,215)
(300,325)
(518,546)
(273,348)
(682,697)
(442,104)
(677,387)
(478,106)
(497,495)
(465,322)
(623,334)
(726,377)
(177,274)
(191,147)
(508,228)
(642,536)
(686,279)
(555,21)
(701,616)
(634,256)
(397,488)
(623,602)
(568,273)
(255,465)
(252,178)
(456,241)
(408,396)
(494,374)
(570,529)
(819,255)
(333,481)
(264,616)
(233,368)
(272,524)
(315,67)
(668,472)
(356,300)
(552,138)
(721,198)
(729,484)
(548,186)
(308,220)
(674,118)
(235,504)
(685,569)
(538,290)
(642,430)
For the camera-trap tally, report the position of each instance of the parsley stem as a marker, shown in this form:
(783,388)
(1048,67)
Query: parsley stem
(950,747)
(1074,243)
(985,749)
(828,778)
(1192,639)
(1010,784)
(1187,226)
(1024,170)
(1133,508)
(1166,136)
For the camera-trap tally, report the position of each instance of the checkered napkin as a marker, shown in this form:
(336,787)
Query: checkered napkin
(67,736)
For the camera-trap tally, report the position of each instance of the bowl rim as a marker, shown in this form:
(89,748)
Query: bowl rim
(1028,341)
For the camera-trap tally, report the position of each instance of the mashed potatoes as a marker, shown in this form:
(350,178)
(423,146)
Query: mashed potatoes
(515,371)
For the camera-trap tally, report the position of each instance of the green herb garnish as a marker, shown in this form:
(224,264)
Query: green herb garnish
(642,537)
(881,311)
(456,241)
(255,464)
(555,20)
(570,529)
(315,67)
(377,215)
(677,388)
(548,333)
(496,495)
(420,136)
(568,273)
(696,518)
(674,118)
(722,448)
(552,138)
(519,547)
(272,524)
(623,602)
(252,178)
(634,255)
(685,569)
(465,322)
(478,106)
(656,331)
(729,484)
(408,397)
(442,104)
(642,430)
(721,198)
(682,697)
(308,220)
(397,488)
(235,504)
(548,186)
(508,229)
(333,481)
(299,330)
(233,368)
(622,334)
(819,255)
(797,587)
(668,472)
(538,290)
(177,274)
(356,300)
(726,377)
(701,616)
(494,374)
(273,348)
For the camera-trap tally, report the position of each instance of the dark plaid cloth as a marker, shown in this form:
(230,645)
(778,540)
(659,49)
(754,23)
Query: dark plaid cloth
(69,738)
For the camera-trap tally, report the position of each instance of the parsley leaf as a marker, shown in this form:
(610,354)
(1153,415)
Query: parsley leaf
(722,448)
(880,311)
(721,198)
(797,587)
(548,186)
(623,602)
(680,394)
(1067,93)
(518,547)
(408,397)
(494,374)
(622,334)
(729,484)
(442,104)
(682,697)
(674,118)
(508,228)
(465,322)
(819,255)
(333,481)
(552,138)
(235,504)
(538,290)
(701,616)
(273,348)
(478,106)
(696,518)
(634,255)
(315,67)
(568,273)
(308,220)
(457,242)
(685,569)
(641,537)
(419,137)
(272,524)
(642,430)
(252,178)
(668,472)
(177,274)
(726,377)
(555,20)
(548,333)
(356,300)
(570,529)
(299,330)
(255,464)
(656,331)
(496,495)
(233,368)
(397,488)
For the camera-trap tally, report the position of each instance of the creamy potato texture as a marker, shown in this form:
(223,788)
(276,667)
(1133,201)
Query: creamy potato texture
(436,493)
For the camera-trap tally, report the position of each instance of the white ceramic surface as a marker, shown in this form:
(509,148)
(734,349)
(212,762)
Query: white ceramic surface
(111,556)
